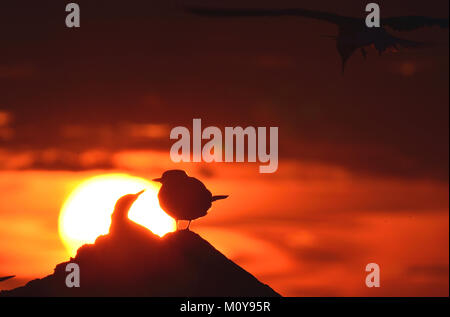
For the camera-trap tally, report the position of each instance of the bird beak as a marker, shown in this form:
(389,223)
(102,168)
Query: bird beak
(137,194)
(157,180)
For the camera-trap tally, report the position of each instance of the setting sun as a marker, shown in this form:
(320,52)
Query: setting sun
(86,213)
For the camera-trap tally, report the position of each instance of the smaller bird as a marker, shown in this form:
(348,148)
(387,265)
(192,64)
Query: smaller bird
(184,197)
(120,224)
(4,278)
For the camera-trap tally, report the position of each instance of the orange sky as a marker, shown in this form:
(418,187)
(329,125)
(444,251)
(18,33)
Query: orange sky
(307,235)
(363,170)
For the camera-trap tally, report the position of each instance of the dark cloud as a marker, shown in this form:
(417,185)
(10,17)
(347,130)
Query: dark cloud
(150,64)
(324,256)
(436,271)
(54,159)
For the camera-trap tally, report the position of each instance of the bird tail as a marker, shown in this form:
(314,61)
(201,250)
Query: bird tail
(214,198)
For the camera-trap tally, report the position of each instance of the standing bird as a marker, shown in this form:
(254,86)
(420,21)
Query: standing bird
(353,34)
(184,197)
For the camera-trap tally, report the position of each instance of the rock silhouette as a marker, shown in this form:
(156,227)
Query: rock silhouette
(183,197)
(135,262)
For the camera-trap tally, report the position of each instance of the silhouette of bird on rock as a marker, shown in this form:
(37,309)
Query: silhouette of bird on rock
(121,225)
(184,197)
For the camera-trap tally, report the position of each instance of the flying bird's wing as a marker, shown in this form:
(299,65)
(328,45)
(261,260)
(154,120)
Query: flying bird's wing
(319,15)
(410,44)
(4,278)
(409,23)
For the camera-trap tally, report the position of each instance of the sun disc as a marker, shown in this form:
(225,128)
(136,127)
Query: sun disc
(86,213)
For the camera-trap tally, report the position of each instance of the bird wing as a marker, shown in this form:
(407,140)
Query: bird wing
(319,15)
(4,278)
(200,193)
(409,23)
(410,44)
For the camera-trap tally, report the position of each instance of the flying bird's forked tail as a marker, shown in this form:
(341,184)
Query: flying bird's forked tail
(218,197)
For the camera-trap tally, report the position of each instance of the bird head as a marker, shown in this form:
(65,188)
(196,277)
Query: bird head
(119,217)
(171,175)
(124,203)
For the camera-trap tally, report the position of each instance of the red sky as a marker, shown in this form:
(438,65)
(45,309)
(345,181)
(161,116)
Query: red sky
(363,173)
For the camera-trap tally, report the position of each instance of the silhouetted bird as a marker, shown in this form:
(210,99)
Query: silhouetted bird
(184,197)
(4,278)
(353,33)
(120,224)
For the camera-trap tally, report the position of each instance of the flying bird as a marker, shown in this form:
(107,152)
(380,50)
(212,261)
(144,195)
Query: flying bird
(184,197)
(353,34)
(4,278)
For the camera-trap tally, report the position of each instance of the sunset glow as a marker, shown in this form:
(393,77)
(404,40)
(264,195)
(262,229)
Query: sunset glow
(333,153)
(86,213)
